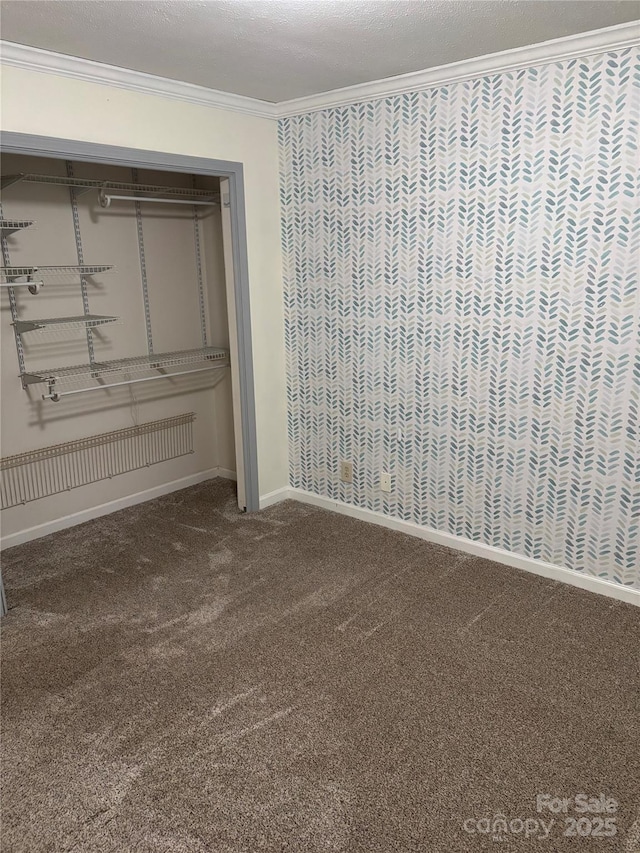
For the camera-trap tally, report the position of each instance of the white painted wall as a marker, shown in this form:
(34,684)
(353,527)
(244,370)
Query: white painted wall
(48,105)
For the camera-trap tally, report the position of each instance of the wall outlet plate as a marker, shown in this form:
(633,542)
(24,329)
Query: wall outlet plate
(385,481)
(346,471)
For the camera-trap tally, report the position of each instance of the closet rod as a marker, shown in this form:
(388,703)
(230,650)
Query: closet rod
(34,286)
(56,395)
(107,198)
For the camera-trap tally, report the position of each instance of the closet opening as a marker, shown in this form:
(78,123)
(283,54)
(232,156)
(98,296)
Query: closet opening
(126,347)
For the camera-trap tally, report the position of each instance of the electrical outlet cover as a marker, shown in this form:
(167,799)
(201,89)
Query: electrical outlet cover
(346,471)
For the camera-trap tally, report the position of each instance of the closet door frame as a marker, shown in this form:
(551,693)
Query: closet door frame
(68,149)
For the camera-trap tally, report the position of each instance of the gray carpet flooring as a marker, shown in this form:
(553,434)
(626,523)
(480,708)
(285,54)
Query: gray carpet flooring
(180,677)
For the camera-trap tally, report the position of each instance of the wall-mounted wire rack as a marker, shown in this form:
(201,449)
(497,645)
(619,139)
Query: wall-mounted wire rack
(60,467)
(214,357)
(83,322)
(10,226)
(114,189)
(71,269)
(32,277)
(159,365)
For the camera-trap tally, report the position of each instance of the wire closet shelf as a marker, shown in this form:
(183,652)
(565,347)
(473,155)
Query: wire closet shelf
(113,190)
(32,277)
(86,321)
(10,226)
(212,357)
(36,474)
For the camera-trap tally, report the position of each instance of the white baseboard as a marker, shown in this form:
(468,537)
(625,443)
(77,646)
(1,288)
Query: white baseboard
(459,543)
(112,506)
(275,497)
(469,546)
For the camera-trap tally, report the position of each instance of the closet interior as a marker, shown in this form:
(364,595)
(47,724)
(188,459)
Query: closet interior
(116,369)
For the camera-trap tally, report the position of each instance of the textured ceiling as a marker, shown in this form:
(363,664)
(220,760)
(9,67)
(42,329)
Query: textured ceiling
(276,50)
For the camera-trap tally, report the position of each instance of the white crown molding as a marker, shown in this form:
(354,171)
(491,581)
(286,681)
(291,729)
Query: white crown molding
(570,47)
(76,68)
(543,53)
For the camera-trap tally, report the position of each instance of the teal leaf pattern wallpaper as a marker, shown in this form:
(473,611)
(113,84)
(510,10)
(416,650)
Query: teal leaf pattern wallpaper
(462,309)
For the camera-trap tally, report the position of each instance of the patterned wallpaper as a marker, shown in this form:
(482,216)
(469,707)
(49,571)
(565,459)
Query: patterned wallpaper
(463,310)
